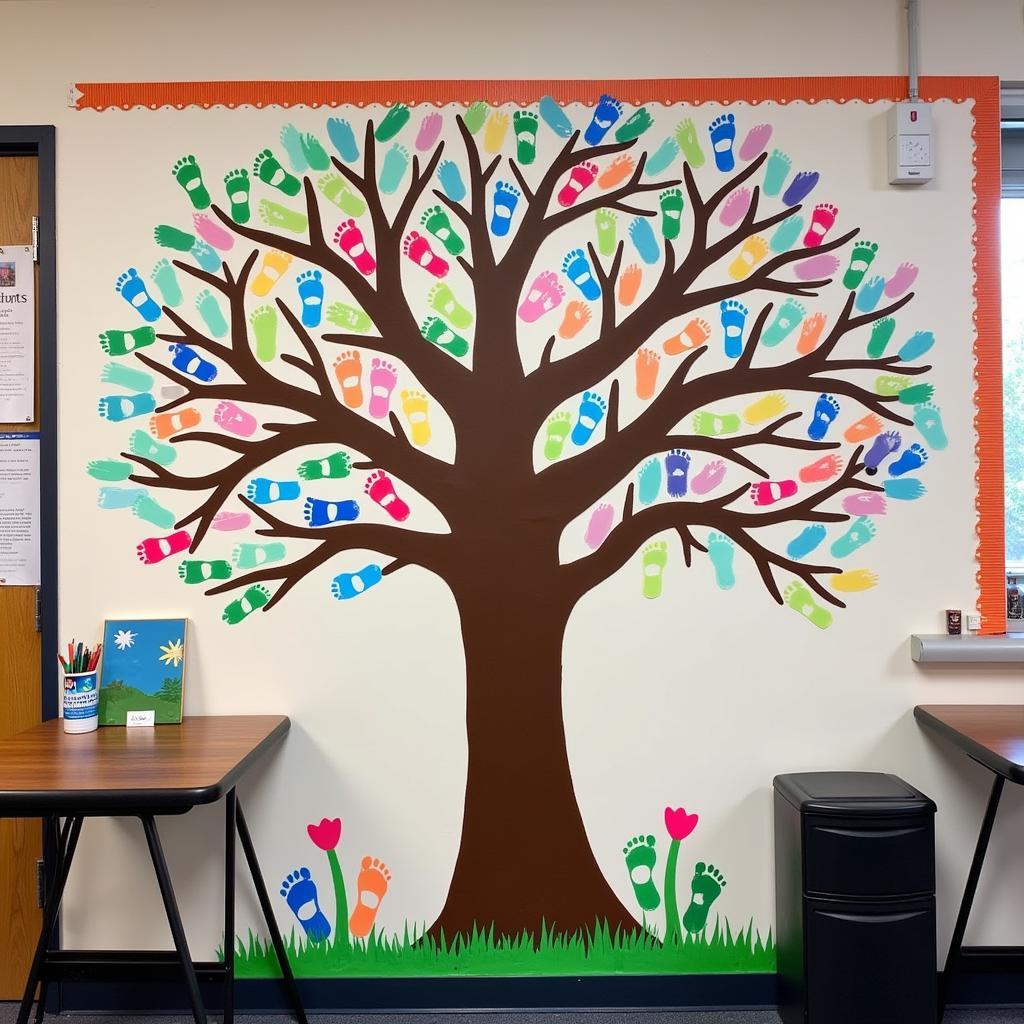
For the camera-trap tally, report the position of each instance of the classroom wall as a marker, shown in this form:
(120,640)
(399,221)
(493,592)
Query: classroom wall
(873,725)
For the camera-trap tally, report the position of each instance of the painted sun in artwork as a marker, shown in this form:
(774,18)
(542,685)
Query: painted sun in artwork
(124,638)
(173,652)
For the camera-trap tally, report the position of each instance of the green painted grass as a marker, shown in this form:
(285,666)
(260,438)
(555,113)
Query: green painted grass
(114,709)
(721,951)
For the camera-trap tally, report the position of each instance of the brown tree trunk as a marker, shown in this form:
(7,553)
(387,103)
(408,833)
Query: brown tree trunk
(525,859)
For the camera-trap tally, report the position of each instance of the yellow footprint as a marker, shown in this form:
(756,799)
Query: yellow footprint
(275,263)
(753,251)
(494,132)
(766,408)
(415,405)
(854,580)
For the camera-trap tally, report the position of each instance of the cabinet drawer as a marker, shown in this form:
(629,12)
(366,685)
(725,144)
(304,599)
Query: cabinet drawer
(888,858)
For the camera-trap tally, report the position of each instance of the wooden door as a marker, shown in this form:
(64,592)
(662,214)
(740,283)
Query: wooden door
(20,684)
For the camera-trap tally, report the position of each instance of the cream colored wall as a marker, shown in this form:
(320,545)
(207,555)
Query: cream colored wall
(60,41)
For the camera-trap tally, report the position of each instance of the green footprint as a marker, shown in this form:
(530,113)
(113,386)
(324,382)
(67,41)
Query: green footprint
(335,189)
(881,334)
(236,183)
(165,278)
(315,154)
(277,216)
(437,332)
(253,599)
(393,122)
(524,126)
(249,556)
(209,309)
(799,598)
(475,116)
(268,169)
(173,238)
(640,858)
(442,300)
(634,126)
(335,467)
(557,427)
(606,232)
(263,320)
(197,571)
(706,886)
(126,377)
(188,175)
(917,394)
(141,443)
(671,203)
(436,221)
(709,424)
(351,318)
(120,343)
(689,144)
(147,509)
(655,558)
(890,385)
(109,469)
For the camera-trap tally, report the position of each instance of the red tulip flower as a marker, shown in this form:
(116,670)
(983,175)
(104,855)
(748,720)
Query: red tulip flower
(679,823)
(327,834)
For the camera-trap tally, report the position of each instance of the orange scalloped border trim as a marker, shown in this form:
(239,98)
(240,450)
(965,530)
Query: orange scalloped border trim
(982,90)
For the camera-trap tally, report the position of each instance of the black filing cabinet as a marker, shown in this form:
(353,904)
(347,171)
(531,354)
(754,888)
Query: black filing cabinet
(854,899)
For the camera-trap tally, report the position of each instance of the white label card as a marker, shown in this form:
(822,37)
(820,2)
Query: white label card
(139,718)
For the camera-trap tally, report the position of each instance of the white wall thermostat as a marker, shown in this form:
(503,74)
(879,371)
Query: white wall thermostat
(911,144)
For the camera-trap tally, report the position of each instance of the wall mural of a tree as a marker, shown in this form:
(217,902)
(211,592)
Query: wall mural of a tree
(687,273)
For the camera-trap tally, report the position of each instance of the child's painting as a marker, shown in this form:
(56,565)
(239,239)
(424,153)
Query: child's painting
(143,669)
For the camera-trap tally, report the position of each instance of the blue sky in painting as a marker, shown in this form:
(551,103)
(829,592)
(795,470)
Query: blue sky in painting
(139,664)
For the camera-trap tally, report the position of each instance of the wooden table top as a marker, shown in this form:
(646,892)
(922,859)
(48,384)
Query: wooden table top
(164,769)
(991,734)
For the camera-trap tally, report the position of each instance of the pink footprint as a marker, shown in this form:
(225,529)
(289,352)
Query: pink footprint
(544,295)
(234,419)
(381,490)
(824,469)
(865,503)
(905,276)
(770,491)
(156,549)
(349,239)
(822,218)
(212,232)
(581,177)
(600,526)
(417,248)
(228,521)
(735,207)
(430,128)
(757,138)
(383,377)
(709,477)
(817,267)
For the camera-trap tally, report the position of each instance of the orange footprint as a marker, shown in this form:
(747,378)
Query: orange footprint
(349,370)
(810,333)
(864,428)
(629,284)
(275,263)
(693,335)
(824,469)
(371,883)
(616,172)
(164,424)
(577,316)
(647,363)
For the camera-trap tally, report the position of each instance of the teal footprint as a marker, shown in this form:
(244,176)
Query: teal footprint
(206,256)
(661,157)
(120,497)
(649,482)
(451,181)
(775,172)
(721,551)
(554,117)
(396,160)
(339,131)
(141,443)
(860,532)
(126,377)
(292,142)
(146,508)
(109,469)
(165,278)
(805,541)
(782,326)
(904,488)
(916,346)
(786,234)
(928,420)
(209,310)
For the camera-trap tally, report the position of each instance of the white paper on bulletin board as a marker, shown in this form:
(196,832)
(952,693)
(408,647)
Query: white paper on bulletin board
(17,334)
(19,510)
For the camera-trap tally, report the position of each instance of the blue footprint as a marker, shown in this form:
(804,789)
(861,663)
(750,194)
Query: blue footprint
(826,409)
(860,532)
(120,497)
(677,469)
(339,131)
(188,360)
(723,135)
(800,188)
(786,234)
(263,491)
(133,290)
(721,551)
(906,488)
(881,448)
(734,319)
(206,256)
(451,181)
(311,295)
(318,512)
(347,585)
(606,113)
(577,269)
(916,346)
(642,234)
(125,407)
(805,541)
(913,458)
(299,890)
(869,294)
(591,412)
(649,482)
(661,157)
(506,198)
(554,117)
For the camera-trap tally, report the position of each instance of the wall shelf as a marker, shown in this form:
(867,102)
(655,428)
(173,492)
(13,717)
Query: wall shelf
(938,648)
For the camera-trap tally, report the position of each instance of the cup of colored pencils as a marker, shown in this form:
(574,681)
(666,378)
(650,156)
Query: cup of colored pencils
(81,689)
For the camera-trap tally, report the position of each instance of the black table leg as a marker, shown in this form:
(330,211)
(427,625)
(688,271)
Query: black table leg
(163,878)
(54,853)
(66,852)
(957,941)
(230,819)
(268,915)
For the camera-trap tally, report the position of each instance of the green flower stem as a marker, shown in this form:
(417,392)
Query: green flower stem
(672,928)
(341,902)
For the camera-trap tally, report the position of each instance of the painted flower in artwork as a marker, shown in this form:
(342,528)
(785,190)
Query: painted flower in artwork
(173,652)
(124,638)
(327,834)
(679,823)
